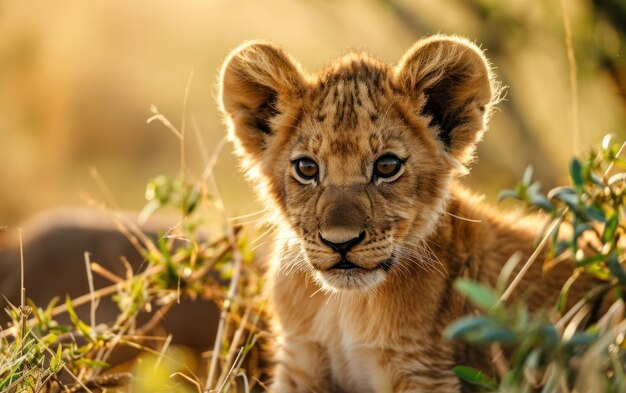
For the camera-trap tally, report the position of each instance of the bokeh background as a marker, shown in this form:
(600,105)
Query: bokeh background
(77,79)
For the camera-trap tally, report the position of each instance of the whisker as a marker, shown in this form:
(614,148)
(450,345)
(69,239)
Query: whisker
(461,218)
(321,288)
(248,215)
(275,240)
(423,257)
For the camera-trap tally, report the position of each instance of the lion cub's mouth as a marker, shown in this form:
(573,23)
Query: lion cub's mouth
(346,275)
(345,264)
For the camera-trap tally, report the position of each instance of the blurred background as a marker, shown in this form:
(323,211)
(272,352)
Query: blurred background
(77,79)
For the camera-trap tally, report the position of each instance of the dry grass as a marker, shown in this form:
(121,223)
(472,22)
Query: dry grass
(39,354)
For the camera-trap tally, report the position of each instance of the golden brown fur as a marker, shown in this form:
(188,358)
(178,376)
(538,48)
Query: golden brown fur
(369,317)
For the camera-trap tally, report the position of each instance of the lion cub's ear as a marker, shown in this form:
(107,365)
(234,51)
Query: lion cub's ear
(449,80)
(257,82)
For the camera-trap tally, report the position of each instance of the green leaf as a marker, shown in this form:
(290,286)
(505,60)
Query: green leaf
(597,180)
(566,194)
(581,228)
(528,175)
(56,362)
(596,212)
(80,325)
(563,295)
(192,199)
(533,360)
(580,339)
(549,335)
(147,211)
(570,200)
(601,272)
(521,190)
(91,363)
(480,295)
(561,246)
(542,202)
(576,173)
(506,272)
(607,141)
(493,334)
(504,194)
(620,162)
(50,306)
(610,227)
(465,325)
(591,260)
(616,268)
(474,376)
(158,190)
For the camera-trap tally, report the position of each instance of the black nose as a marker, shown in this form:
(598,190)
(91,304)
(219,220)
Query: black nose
(343,248)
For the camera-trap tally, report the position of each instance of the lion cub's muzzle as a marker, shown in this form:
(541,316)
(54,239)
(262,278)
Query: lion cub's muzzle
(343,248)
(347,246)
(349,263)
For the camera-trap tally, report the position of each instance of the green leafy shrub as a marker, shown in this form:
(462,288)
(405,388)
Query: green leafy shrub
(560,349)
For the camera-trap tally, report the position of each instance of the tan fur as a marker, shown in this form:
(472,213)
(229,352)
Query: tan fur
(378,327)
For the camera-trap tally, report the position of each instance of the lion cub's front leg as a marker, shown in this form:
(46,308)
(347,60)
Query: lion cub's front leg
(424,369)
(422,384)
(301,366)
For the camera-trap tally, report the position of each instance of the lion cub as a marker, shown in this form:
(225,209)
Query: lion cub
(359,163)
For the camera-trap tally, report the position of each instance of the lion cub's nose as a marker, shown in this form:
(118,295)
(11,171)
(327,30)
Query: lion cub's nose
(343,247)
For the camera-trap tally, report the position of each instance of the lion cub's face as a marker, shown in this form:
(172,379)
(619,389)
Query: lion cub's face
(358,158)
(358,177)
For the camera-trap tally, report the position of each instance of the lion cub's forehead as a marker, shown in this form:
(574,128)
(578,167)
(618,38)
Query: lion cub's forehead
(348,108)
(352,91)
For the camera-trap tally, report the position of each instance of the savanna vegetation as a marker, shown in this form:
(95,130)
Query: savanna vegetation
(65,114)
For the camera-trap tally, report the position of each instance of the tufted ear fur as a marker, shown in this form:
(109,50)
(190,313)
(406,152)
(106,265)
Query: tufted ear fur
(257,82)
(449,80)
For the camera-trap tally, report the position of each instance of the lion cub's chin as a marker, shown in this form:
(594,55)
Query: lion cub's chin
(350,279)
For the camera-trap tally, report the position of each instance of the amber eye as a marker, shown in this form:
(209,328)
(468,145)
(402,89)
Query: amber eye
(387,166)
(306,168)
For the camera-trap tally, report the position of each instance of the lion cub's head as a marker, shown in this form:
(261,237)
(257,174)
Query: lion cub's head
(357,158)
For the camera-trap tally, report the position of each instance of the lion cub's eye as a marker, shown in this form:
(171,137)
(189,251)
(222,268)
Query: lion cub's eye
(387,166)
(306,168)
